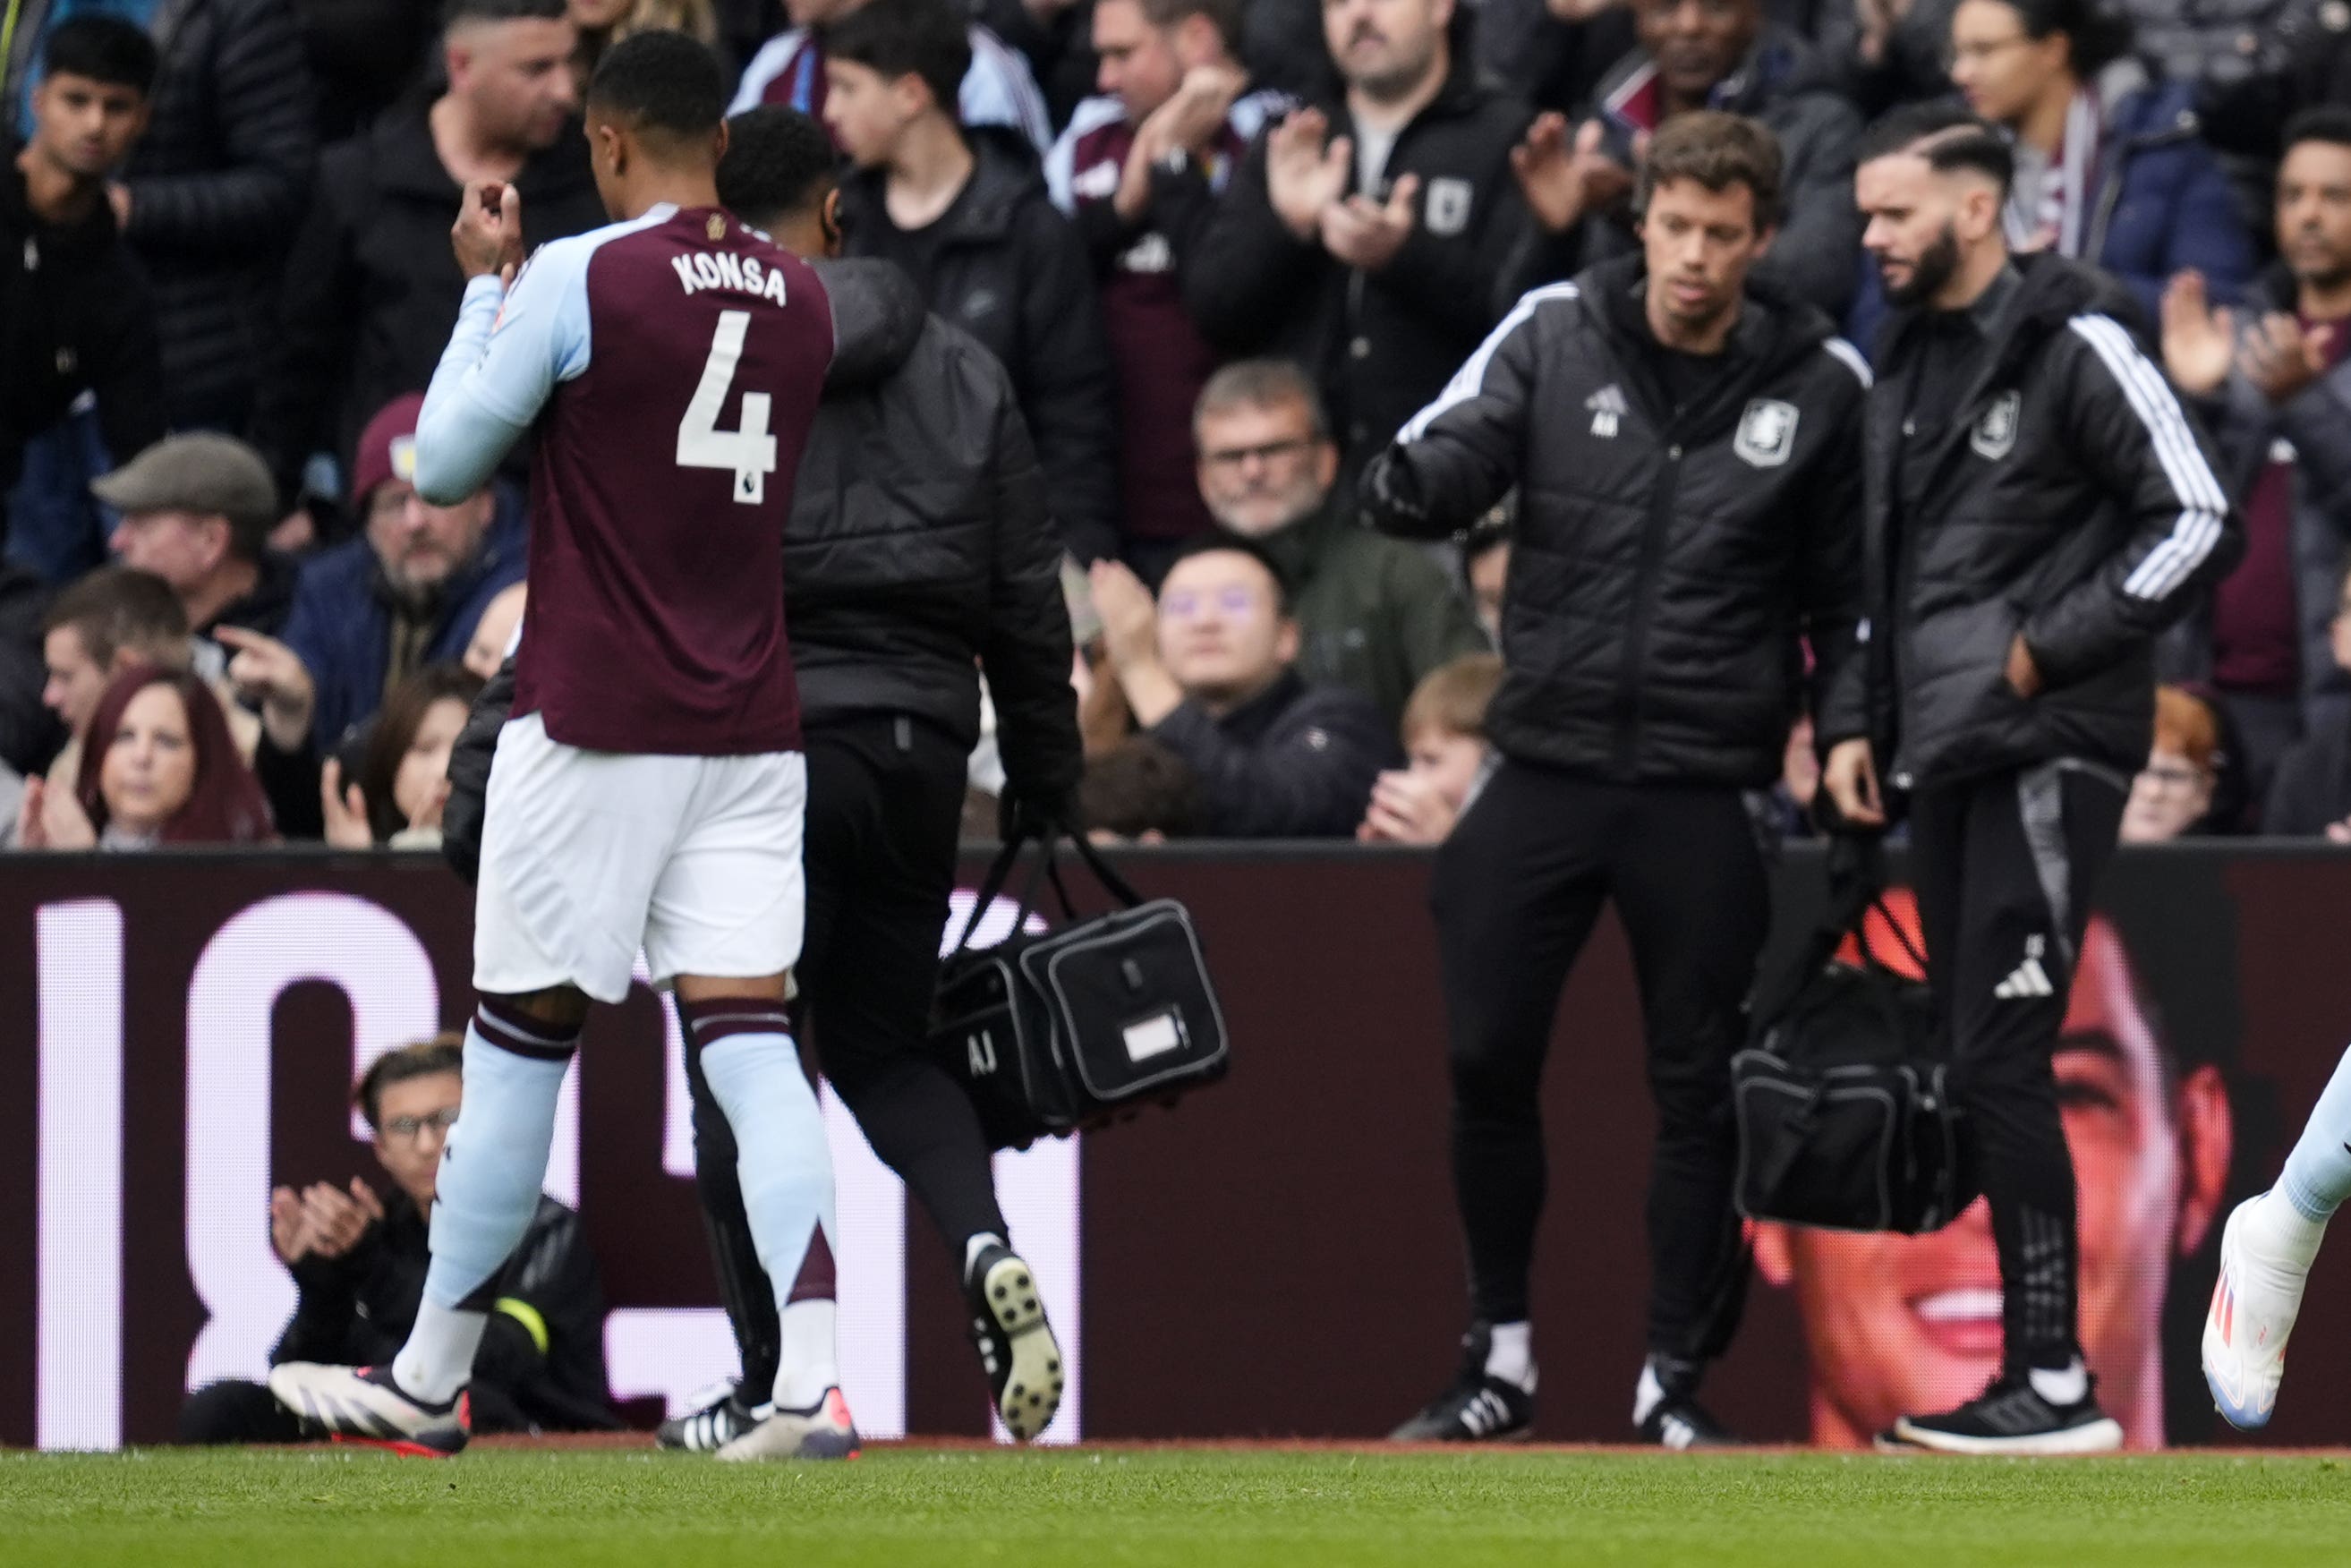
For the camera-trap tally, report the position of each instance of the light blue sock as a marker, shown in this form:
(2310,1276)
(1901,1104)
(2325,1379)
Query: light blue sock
(2317,1175)
(754,1072)
(486,1190)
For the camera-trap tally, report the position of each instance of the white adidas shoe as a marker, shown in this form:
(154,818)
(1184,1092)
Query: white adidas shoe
(2254,1304)
(363,1404)
(824,1431)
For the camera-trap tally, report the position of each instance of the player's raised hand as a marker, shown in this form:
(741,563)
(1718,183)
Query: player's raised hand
(487,235)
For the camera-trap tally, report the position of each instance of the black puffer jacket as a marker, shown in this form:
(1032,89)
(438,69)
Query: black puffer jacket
(1011,270)
(2070,498)
(372,289)
(1381,344)
(216,187)
(918,554)
(1666,567)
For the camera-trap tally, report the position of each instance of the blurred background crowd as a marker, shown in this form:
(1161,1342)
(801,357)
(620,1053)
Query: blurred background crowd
(1224,247)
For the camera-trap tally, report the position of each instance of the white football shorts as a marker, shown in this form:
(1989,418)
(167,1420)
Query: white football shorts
(587,856)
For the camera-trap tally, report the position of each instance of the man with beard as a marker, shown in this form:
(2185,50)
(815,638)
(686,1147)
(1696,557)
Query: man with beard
(2040,509)
(1686,443)
(2283,394)
(1902,1323)
(372,612)
(1362,236)
(370,291)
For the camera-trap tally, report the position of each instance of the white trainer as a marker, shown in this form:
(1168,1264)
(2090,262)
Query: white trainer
(363,1404)
(822,1432)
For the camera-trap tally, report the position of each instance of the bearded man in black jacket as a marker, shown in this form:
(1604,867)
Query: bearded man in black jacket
(2040,508)
(1684,441)
(919,554)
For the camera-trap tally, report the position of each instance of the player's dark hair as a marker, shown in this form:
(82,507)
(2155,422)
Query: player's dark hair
(1225,15)
(778,162)
(394,731)
(456,12)
(1220,541)
(102,50)
(1716,150)
(660,82)
(1263,383)
(2097,32)
(2330,123)
(444,1052)
(116,608)
(1948,136)
(895,38)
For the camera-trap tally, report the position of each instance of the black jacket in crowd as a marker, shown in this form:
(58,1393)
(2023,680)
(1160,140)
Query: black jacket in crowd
(919,553)
(29,733)
(1381,344)
(2313,788)
(75,315)
(2068,497)
(372,289)
(1666,566)
(216,186)
(542,1363)
(1295,761)
(1011,270)
(1785,85)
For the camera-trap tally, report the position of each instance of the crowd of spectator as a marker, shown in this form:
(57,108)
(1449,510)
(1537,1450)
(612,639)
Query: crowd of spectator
(1224,250)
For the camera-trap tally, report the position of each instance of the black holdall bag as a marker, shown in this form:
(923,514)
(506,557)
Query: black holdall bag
(1081,1026)
(1846,1120)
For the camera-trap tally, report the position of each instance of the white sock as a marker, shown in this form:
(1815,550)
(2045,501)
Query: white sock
(2281,1232)
(1509,1354)
(2062,1385)
(975,1247)
(485,1191)
(443,1339)
(754,1072)
(805,1367)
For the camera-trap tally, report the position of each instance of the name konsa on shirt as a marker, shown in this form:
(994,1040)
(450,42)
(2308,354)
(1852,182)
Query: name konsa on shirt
(724,269)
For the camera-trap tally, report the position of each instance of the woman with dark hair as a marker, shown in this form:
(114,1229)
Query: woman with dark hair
(2110,168)
(159,768)
(403,765)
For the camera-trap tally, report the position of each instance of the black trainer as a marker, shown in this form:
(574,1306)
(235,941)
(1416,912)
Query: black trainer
(1475,1408)
(1015,1345)
(2012,1418)
(1679,1421)
(721,1419)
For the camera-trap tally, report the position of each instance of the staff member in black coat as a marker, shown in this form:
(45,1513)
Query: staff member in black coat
(2039,509)
(918,555)
(1686,444)
(76,313)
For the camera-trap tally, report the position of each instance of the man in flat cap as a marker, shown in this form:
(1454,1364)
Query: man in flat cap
(196,511)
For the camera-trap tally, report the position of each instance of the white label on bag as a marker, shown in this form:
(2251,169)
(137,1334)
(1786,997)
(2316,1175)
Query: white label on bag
(1154,1037)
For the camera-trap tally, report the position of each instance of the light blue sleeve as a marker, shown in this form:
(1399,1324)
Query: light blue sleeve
(504,360)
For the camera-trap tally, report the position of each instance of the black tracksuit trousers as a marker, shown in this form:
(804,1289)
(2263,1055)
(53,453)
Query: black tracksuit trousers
(1518,888)
(2004,866)
(884,813)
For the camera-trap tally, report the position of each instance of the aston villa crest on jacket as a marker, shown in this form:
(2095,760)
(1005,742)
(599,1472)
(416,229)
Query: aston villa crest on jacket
(1766,432)
(1994,435)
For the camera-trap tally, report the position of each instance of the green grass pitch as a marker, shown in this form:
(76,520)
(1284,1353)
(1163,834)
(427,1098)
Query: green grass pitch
(1295,1509)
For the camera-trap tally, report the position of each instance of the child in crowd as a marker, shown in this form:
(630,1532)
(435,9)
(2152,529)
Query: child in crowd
(1445,737)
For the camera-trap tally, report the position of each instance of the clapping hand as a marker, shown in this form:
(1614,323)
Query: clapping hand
(1303,177)
(1564,183)
(1366,234)
(2198,342)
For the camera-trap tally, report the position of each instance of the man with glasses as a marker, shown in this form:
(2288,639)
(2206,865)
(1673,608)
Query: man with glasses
(1695,55)
(1374,615)
(358,1262)
(1210,672)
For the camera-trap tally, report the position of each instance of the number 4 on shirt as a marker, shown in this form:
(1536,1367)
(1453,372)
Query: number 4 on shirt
(749,452)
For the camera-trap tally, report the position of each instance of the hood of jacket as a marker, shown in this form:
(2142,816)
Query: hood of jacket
(1005,170)
(2051,292)
(877,316)
(1462,92)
